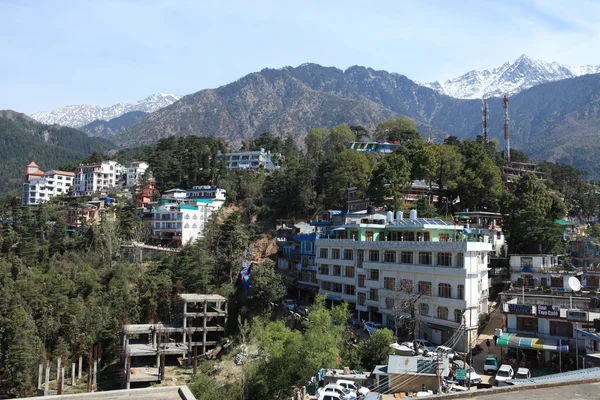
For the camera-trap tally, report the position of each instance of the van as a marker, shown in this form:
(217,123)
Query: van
(490,364)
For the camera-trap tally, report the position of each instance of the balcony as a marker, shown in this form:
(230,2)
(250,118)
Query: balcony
(454,247)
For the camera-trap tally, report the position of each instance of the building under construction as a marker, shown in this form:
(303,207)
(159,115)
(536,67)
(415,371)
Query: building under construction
(202,322)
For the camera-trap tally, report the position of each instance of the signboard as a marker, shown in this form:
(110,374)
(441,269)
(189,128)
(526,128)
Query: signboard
(548,311)
(520,308)
(461,374)
(577,315)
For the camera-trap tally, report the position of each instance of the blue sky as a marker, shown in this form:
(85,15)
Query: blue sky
(59,52)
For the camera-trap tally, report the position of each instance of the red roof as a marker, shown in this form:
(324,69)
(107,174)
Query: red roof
(57,172)
(39,172)
(33,164)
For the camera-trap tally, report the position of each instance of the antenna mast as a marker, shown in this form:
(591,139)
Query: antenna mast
(484,110)
(506,132)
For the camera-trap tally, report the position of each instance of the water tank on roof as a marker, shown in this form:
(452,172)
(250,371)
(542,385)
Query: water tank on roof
(399,215)
(370,210)
(413,214)
(389,216)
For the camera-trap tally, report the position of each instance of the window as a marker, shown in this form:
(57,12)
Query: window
(458,316)
(425,287)
(442,313)
(460,260)
(349,290)
(444,290)
(324,253)
(373,274)
(324,269)
(354,235)
(444,237)
(410,236)
(425,258)
(349,272)
(591,281)
(335,254)
(361,280)
(337,270)
(309,246)
(373,295)
(361,298)
(559,328)
(389,303)
(406,257)
(526,262)
(348,254)
(326,285)
(479,286)
(460,292)
(444,259)
(406,285)
(389,256)
(531,325)
(373,256)
(426,237)
(423,309)
(389,283)
(336,287)
(556,281)
(369,236)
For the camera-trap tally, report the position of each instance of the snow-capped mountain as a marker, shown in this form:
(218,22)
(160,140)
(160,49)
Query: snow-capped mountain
(78,116)
(510,78)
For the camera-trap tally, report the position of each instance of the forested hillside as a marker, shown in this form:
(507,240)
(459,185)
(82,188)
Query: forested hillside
(109,128)
(23,140)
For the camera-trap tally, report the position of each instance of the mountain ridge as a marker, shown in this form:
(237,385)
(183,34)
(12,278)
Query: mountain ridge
(509,78)
(76,116)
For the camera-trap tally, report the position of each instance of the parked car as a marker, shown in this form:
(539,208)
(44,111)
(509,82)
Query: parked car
(352,386)
(341,391)
(475,378)
(373,396)
(371,327)
(504,372)
(289,304)
(303,310)
(425,345)
(329,396)
(523,373)
(452,355)
(490,364)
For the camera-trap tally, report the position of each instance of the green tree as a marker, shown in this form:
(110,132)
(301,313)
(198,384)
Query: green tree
(203,387)
(375,351)
(390,178)
(338,138)
(267,141)
(266,286)
(316,142)
(348,169)
(401,130)
(361,133)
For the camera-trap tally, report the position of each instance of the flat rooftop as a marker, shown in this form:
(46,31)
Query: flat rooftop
(200,298)
(158,393)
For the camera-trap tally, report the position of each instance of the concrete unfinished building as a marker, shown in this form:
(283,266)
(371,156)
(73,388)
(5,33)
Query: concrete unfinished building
(146,346)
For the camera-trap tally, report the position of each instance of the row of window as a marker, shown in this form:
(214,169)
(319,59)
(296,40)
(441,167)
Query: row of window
(336,270)
(391,256)
(424,287)
(338,288)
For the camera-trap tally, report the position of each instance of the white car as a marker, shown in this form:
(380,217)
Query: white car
(474,377)
(425,345)
(504,373)
(330,396)
(371,327)
(352,386)
(523,373)
(452,355)
(339,390)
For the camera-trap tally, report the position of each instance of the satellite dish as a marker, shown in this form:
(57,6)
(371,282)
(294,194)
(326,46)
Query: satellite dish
(574,284)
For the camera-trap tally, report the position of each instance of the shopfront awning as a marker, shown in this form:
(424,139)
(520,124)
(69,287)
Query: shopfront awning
(589,335)
(520,342)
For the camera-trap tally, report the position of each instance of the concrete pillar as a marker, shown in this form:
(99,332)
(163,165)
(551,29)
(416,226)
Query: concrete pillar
(62,379)
(79,371)
(72,374)
(204,329)
(47,382)
(40,372)
(95,374)
(184,321)
(154,339)
(58,368)
(128,372)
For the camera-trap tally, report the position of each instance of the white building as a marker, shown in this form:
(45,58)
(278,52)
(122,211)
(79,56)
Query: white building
(486,223)
(250,160)
(375,263)
(99,177)
(41,186)
(539,270)
(135,172)
(179,220)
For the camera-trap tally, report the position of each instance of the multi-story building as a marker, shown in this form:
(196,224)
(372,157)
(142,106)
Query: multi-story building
(487,223)
(144,196)
(250,160)
(98,178)
(178,220)
(418,189)
(135,172)
(41,186)
(380,264)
